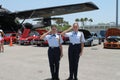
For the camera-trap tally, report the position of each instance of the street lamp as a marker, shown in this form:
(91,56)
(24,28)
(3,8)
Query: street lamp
(116,13)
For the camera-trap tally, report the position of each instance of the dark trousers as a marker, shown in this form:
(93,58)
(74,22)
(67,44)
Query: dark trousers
(73,56)
(54,59)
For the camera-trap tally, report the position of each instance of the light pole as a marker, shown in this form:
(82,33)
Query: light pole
(116,13)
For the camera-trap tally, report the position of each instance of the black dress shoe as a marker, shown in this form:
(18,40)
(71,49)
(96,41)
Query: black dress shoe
(53,79)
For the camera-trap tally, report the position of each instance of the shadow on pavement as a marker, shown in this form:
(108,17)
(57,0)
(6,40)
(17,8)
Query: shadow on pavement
(48,79)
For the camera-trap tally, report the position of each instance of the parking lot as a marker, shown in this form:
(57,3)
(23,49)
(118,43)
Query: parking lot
(31,63)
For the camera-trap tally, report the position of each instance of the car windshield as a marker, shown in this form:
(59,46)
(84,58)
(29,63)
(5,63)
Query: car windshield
(113,38)
(7,34)
(94,34)
(34,33)
(116,37)
(102,33)
(10,34)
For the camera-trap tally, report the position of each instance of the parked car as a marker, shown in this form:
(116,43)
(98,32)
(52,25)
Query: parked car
(102,34)
(65,39)
(112,42)
(32,36)
(38,41)
(9,36)
(90,39)
(23,39)
(96,35)
(112,38)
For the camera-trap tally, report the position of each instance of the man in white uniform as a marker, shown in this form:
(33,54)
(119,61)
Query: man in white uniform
(55,50)
(75,49)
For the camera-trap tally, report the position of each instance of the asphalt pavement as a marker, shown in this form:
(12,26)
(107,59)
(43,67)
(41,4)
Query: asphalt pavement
(31,63)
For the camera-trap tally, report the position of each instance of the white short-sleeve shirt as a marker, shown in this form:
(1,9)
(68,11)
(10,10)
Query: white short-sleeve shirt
(75,37)
(54,40)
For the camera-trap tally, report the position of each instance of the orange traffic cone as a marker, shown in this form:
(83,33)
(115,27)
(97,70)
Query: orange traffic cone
(11,41)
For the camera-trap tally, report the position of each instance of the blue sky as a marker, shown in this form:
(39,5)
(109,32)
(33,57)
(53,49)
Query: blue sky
(105,14)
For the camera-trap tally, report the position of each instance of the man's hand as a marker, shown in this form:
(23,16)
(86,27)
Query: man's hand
(63,33)
(81,53)
(61,55)
(70,28)
(45,34)
(49,32)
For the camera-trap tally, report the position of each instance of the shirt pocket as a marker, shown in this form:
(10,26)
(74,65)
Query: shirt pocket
(78,37)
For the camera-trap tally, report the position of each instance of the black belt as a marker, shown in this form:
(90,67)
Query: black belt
(75,43)
(53,47)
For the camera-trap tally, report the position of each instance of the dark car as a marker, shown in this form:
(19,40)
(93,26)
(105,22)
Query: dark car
(90,39)
(102,34)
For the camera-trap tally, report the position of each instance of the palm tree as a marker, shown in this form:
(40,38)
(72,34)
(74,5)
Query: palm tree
(90,20)
(85,20)
(82,21)
(77,20)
